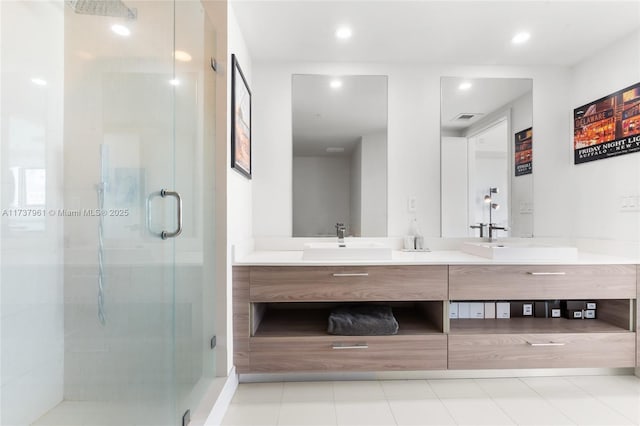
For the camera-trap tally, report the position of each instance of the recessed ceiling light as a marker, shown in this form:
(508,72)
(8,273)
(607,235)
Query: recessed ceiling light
(335,84)
(344,33)
(520,37)
(465,85)
(39,81)
(121,30)
(335,149)
(182,56)
(174,82)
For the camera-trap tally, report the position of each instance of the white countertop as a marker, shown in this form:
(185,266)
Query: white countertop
(436,257)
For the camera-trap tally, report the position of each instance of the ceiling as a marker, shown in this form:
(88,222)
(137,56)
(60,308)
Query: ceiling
(89,36)
(433,32)
(485,96)
(336,118)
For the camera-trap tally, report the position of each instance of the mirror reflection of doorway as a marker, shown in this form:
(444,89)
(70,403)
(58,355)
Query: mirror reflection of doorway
(488,157)
(470,166)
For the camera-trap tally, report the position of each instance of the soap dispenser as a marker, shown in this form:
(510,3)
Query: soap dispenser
(410,239)
(419,239)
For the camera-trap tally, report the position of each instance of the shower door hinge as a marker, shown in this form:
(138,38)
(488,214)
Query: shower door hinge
(214,65)
(213,342)
(186,418)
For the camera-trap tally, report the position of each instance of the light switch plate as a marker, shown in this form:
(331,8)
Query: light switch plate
(411,204)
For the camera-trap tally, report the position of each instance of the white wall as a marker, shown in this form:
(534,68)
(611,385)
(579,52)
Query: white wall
(455,222)
(522,186)
(413,141)
(374,185)
(239,205)
(31,260)
(321,194)
(355,221)
(595,187)
(238,229)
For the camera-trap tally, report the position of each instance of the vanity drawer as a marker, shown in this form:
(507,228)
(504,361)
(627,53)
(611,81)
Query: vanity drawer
(348,283)
(348,353)
(541,350)
(481,282)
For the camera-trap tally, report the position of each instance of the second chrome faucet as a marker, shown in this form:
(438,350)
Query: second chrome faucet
(341,230)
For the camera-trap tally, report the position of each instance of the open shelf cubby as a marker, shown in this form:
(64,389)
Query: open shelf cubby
(311,319)
(531,325)
(613,316)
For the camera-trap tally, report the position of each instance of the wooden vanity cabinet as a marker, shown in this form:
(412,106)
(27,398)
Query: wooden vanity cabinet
(539,282)
(529,342)
(282,317)
(347,283)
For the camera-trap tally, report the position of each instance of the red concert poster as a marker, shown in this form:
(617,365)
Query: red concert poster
(607,127)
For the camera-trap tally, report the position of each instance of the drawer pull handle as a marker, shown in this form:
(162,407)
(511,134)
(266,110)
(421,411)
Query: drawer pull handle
(546,344)
(352,274)
(356,346)
(547,273)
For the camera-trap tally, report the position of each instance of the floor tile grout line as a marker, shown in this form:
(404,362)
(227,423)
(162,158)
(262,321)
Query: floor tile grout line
(586,390)
(391,411)
(333,400)
(443,404)
(565,415)
(496,403)
(280,405)
(386,398)
(514,421)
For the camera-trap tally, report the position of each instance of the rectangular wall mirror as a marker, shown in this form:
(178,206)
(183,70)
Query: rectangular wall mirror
(339,155)
(486,176)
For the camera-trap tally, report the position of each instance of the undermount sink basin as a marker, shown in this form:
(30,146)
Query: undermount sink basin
(349,250)
(520,251)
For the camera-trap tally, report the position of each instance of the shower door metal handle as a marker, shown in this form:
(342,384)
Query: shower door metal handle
(166,234)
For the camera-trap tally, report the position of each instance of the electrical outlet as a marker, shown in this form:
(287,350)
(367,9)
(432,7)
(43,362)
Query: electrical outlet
(526,208)
(623,202)
(629,203)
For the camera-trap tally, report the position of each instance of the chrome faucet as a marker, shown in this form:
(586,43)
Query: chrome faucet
(489,200)
(340,232)
(492,229)
(479,226)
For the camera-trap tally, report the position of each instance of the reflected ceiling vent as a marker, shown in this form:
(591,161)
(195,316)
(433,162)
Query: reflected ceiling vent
(115,8)
(335,149)
(466,116)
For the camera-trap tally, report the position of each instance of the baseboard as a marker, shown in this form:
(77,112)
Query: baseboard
(436,374)
(223,400)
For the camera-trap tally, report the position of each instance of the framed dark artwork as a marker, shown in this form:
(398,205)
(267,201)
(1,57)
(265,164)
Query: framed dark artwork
(607,127)
(522,152)
(240,121)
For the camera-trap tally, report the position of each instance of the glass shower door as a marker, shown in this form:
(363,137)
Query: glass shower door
(103,321)
(119,149)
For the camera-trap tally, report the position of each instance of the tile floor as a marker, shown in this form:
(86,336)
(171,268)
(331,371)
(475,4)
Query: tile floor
(581,400)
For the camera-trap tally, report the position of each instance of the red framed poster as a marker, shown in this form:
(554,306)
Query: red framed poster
(607,127)
(523,153)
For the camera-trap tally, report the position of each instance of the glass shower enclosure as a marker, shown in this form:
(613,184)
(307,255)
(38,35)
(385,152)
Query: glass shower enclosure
(106,224)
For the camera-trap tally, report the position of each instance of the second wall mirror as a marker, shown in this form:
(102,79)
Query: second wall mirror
(486,156)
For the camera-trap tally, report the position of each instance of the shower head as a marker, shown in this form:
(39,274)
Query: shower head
(115,8)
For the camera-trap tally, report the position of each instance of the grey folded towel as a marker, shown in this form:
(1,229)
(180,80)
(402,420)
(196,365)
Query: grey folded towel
(362,320)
